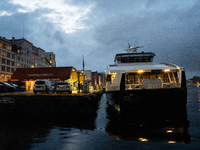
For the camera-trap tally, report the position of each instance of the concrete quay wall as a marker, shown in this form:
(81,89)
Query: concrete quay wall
(49,104)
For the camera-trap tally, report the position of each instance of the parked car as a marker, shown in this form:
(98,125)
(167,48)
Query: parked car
(42,86)
(63,87)
(3,88)
(9,87)
(19,88)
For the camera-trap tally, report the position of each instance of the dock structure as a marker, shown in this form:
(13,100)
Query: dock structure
(19,104)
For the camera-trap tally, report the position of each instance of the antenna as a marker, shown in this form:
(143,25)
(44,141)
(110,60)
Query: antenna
(132,49)
(23,32)
(83,63)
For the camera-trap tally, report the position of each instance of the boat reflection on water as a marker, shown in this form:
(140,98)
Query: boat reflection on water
(148,127)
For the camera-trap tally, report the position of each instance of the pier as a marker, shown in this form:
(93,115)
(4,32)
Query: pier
(23,104)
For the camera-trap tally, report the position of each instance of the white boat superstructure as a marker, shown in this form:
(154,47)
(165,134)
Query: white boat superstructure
(140,72)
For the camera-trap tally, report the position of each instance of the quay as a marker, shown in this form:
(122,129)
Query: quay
(29,104)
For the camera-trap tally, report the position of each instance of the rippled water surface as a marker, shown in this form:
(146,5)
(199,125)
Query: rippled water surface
(103,131)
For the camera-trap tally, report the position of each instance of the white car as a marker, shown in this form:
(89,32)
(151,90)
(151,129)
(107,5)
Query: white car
(63,87)
(42,86)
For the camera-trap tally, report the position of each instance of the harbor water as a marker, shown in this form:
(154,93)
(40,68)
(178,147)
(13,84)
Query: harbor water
(102,130)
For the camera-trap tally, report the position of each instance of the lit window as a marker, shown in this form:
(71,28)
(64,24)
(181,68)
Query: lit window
(8,47)
(50,62)
(3,53)
(18,64)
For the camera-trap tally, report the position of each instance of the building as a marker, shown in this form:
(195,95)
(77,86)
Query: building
(31,56)
(93,79)
(7,59)
(50,59)
(20,53)
(30,75)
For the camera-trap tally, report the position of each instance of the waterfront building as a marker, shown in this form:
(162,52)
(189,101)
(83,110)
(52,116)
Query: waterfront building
(92,79)
(31,56)
(7,59)
(21,53)
(54,74)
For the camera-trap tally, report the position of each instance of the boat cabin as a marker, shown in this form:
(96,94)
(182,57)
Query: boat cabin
(134,57)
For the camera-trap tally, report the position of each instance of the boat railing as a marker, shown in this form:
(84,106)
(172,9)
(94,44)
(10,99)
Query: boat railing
(151,84)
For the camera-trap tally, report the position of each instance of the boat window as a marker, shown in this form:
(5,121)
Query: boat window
(129,79)
(134,59)
(146,76)
(125,59)
(119,59)
(152,76)
(135,78)
(138,79)
(161,77)
(140,59)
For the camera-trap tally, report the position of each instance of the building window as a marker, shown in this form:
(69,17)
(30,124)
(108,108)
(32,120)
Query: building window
(8,69)
(2,68)
(12,70)
(24,60)
(8,47)
(8,55)
(13,56)
(8,62)
(18,64)
(18,58)
(3,53)
(0,44)
(18,51)
(13,63)
(3,61)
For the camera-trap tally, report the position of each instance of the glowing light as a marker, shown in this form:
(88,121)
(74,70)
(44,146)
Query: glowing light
(169,131)
(143,139)
(167,70)
(170,142)
(140,71)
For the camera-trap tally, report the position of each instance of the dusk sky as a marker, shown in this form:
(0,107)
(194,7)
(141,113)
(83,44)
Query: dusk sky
(98,29)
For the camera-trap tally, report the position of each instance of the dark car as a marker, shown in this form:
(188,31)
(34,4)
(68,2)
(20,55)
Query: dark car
(9,87)
(18,87)
(3,88)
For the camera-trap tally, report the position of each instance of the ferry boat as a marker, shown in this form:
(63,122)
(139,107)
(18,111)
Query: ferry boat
(137,85)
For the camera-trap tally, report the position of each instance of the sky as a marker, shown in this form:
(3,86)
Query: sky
(98,29)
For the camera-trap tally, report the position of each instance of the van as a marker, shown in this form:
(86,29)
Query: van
(42,86)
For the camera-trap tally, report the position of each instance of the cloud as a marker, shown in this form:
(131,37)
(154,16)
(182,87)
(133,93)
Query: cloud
(4,13)
(66,17)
